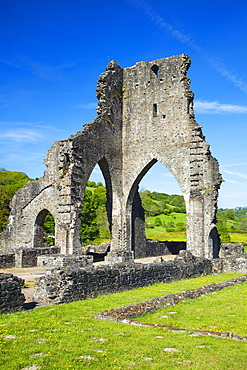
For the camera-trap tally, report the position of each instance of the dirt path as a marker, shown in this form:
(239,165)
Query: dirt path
(28,274)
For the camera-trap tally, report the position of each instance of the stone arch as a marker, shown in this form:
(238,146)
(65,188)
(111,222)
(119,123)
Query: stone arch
(38,229)
(135,219)
(104,167)
(214,242)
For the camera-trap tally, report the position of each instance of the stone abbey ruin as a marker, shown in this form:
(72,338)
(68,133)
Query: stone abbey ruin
(145,115)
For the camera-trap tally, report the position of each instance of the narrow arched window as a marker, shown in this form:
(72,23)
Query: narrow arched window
(155,71)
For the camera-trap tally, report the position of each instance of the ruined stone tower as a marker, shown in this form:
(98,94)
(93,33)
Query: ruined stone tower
(145,115)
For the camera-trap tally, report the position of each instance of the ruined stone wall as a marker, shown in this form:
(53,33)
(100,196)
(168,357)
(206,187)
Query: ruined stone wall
(7,260)
(159,125)
(69,165)
(72,285)
(145,115)
(61,261)
(28,257)
(11,297)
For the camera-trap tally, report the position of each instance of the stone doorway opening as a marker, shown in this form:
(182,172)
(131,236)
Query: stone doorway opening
(214,242)
(44,230)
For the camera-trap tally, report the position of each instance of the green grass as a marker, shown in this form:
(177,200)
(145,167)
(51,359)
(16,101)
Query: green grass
(158,233)
(57,336)
(226,312)
(173,217)
(238,237)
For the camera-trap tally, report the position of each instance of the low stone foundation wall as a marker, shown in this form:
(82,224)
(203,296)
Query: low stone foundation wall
(57,261)
(156,248)
(28,257)
(233,258)
(230,264)
(144,308)
(61,286)
(11,297)
(7,260)
(232,250)
(126,314)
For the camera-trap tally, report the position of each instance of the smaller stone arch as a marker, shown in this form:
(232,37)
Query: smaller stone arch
(38,231)
(214,242)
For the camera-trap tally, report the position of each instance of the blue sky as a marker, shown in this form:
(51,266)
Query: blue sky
(52,52)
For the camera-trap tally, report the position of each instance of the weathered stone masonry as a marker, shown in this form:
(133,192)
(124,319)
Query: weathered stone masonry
(145,115)
(67,285)
(11,297)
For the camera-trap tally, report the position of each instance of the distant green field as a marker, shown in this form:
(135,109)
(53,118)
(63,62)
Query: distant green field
(238,237)
(159,233)
(173,217)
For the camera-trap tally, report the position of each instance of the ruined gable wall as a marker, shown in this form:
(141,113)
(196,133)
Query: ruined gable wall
(69,165)
(158,123)
(145,114)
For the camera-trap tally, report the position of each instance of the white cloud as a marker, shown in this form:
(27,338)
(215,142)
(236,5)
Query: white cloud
(97,170)
(237,174)
(39,125)
(235,182)
(186,39)
(236,164)
(203,106)
(22,135)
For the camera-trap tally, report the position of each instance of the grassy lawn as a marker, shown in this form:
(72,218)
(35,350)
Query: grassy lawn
(69,337)
(229,304)
(238,238)
(173,217)
(159,233)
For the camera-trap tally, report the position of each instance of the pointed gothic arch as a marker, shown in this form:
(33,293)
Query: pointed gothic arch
(135,213)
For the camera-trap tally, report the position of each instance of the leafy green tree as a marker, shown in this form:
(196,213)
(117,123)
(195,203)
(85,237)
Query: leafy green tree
(181,226)
(170,227)
(158,222)
(229,213)
(145,194)
(91,184)
(89,227)
(49,229)
(100,195)
(103,224)
(151,207)
(243,224)
(223,232)
(10,182)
